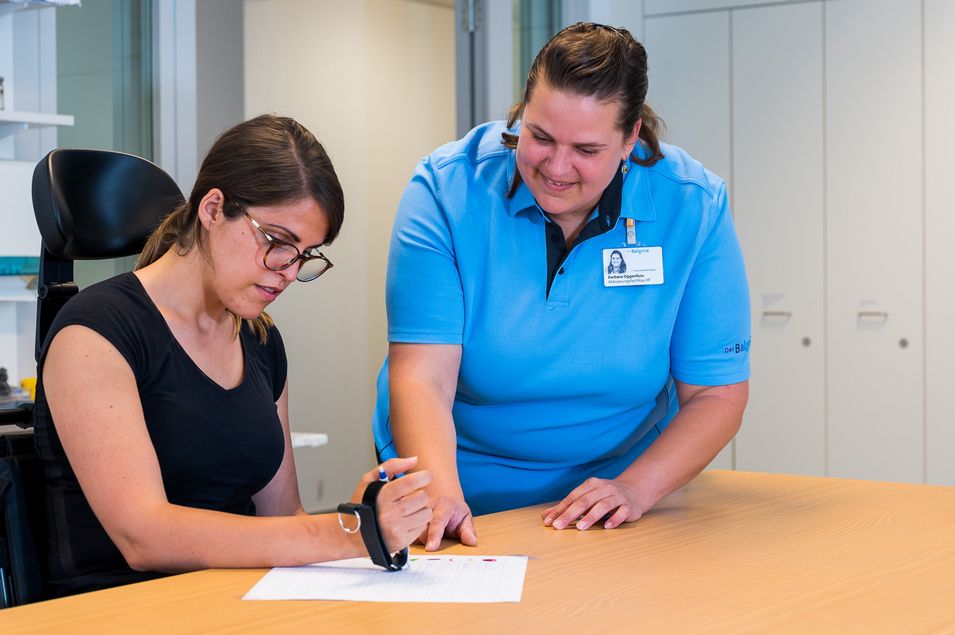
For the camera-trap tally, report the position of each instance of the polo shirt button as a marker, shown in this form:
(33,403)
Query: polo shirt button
(560,271)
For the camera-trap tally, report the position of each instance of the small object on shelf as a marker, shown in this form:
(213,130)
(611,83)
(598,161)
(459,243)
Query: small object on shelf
(1,93)
(5,389)
(28,385)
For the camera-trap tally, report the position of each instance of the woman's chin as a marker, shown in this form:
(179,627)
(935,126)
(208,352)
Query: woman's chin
(247,312)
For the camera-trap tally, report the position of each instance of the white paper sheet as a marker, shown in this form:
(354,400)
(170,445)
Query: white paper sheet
(427,578)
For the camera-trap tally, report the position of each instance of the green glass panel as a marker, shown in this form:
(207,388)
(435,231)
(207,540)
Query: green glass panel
(104,79)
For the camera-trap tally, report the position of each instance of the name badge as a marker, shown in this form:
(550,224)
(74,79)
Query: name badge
(633,266)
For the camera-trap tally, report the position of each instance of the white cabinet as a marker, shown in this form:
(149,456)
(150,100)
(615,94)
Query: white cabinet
(874,239)
(840,189)
(939,21)
(19,235)
(28,68)
(689,61)
(778,142)
(27,131)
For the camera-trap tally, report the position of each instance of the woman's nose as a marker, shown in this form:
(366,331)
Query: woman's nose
(560,162)
(290,272)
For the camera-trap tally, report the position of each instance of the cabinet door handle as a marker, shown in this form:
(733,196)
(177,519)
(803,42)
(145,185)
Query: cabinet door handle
(872,318)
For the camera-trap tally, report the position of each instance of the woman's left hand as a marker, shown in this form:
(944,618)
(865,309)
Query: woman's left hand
(596,499)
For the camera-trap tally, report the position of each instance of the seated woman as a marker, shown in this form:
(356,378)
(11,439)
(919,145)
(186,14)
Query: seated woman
(162,405)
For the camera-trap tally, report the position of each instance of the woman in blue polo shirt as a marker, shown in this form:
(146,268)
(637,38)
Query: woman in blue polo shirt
(522,368)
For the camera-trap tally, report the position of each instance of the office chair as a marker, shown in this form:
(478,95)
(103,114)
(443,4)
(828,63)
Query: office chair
(89,205)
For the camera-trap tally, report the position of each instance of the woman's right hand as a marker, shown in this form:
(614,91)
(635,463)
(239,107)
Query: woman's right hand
(403,507)
(451,518)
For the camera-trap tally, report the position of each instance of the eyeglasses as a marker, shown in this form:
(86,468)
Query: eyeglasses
(281,255)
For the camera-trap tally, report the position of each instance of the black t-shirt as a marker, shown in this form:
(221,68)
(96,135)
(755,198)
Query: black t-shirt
(216,447)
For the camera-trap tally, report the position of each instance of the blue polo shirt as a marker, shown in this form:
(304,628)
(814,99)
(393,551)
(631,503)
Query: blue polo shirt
(565,379)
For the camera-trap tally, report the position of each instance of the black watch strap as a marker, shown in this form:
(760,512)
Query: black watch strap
(371,532)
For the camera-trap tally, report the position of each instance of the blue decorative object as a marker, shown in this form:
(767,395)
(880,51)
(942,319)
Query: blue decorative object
(19,266)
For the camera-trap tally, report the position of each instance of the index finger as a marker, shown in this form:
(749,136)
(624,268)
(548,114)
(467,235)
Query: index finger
(405,485)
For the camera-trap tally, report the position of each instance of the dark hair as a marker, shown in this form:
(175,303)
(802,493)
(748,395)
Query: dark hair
(268,160)
(601,61)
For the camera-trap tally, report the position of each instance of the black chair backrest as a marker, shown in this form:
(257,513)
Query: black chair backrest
(90,205)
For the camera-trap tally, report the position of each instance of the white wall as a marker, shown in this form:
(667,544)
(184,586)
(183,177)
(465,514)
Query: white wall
(219,71)
(374,81)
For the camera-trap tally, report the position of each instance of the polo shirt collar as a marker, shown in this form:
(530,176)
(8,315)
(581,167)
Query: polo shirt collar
(637,201)
(522,199)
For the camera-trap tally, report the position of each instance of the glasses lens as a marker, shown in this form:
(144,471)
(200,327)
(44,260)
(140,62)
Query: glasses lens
(280,256)
(312,269)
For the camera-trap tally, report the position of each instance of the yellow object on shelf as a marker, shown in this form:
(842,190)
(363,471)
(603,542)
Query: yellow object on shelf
(29,385)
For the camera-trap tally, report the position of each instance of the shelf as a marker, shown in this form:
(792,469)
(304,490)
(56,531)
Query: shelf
(6,297)
(308,439)
(6,6)
(14,289)
(12,121)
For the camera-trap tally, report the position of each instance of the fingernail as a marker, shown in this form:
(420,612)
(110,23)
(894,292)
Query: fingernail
(548,520)
(582,526)
(558,524)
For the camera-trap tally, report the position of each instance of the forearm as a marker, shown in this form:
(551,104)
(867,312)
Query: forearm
(705,423)
(422,385)
(176,539)
(422,426)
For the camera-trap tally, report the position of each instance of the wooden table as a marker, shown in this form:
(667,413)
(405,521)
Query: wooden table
(731,552)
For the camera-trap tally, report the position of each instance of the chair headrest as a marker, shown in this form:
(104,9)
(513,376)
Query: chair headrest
(92,204)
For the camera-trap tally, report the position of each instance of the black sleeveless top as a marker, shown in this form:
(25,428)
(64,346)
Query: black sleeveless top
(216,447)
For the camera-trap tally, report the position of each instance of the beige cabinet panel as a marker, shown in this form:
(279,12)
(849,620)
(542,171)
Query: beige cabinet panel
(653,7)
(778,200)
(688,56)
(939,235)
(689,60)
(874,230)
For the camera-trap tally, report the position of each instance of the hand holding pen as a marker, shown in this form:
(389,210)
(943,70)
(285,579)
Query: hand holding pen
(404,509)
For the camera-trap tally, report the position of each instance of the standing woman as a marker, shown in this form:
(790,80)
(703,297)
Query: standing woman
(162,407)
(497,372)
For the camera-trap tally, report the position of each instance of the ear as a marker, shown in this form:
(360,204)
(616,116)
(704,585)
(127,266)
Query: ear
(631,139)
(210,208)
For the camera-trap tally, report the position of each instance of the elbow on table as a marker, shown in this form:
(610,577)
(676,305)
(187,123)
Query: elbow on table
(137,555)
(144,547)
(162,560)
(141,553)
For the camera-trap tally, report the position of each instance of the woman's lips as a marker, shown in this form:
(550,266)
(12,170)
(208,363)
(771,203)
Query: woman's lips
(557,186)
(269,293)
